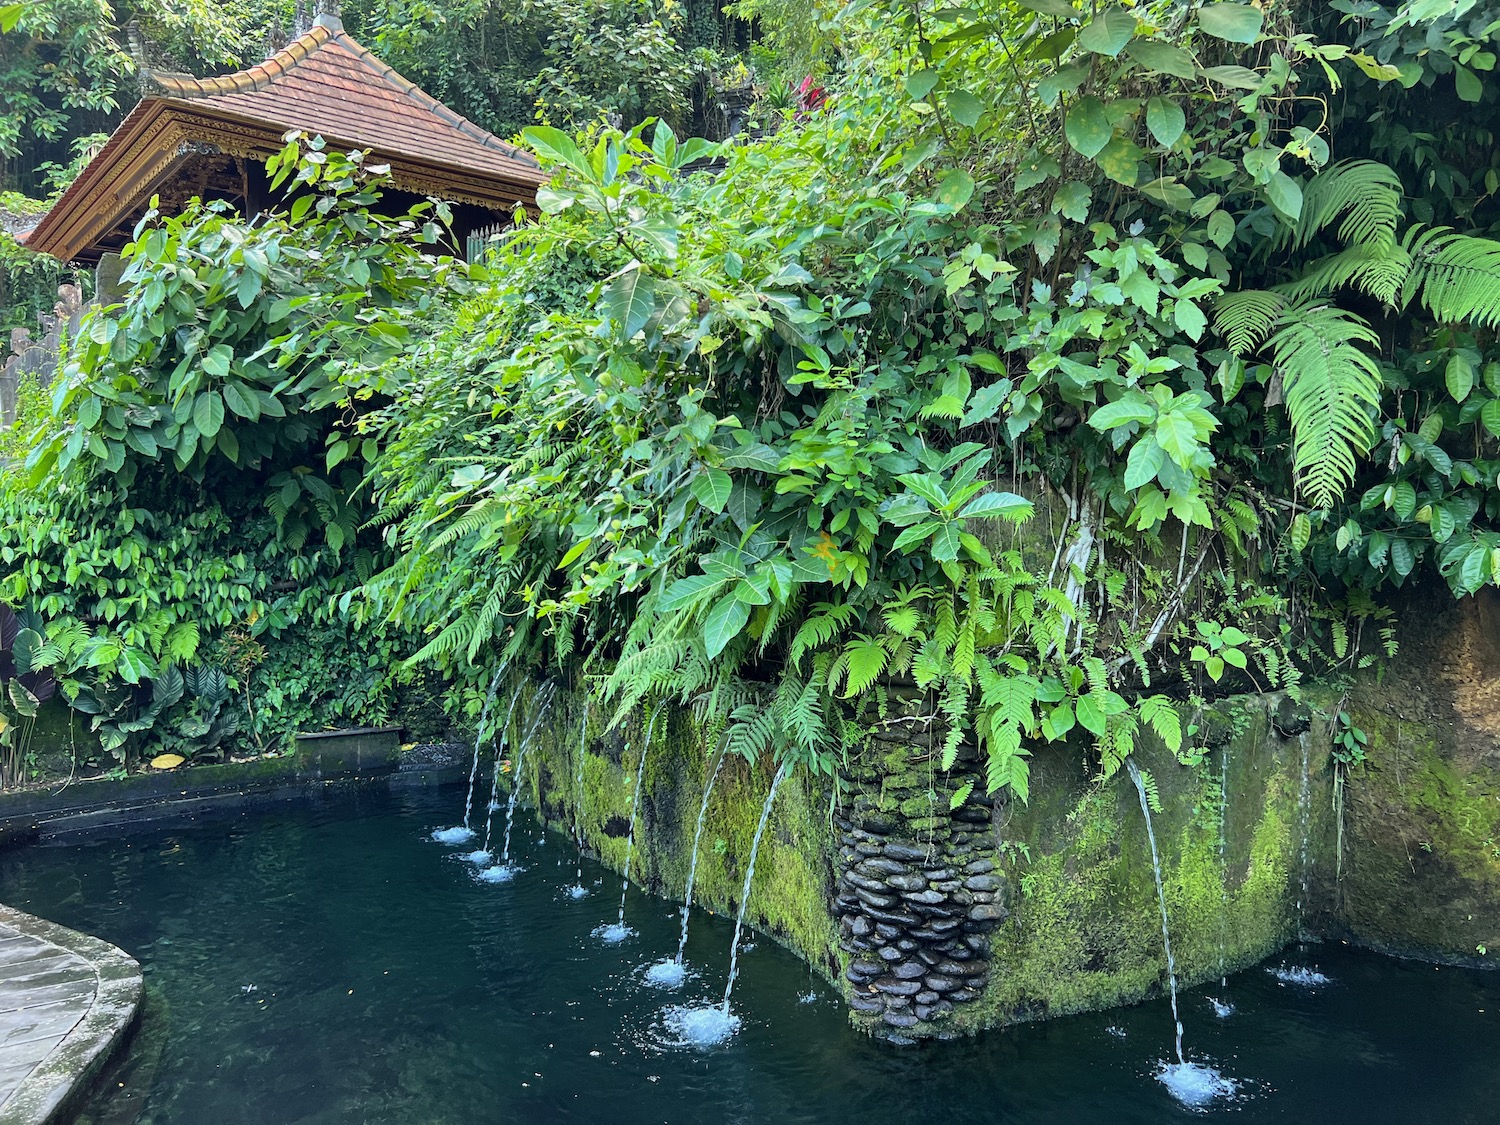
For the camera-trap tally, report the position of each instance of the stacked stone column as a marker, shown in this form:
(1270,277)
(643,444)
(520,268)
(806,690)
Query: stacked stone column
(919,888)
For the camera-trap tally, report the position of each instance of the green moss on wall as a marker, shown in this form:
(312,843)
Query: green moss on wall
(793,877)
(1085,926)
(1421,855)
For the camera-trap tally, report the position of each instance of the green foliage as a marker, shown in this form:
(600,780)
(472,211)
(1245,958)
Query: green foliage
(197,485)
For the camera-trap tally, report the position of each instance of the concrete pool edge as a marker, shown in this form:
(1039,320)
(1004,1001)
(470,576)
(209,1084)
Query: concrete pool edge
(58,1082)
(85,807)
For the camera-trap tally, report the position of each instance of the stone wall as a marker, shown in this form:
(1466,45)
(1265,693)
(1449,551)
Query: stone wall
(1420,856)
(940,921)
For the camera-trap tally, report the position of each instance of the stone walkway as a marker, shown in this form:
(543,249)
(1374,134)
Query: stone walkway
(66,1001)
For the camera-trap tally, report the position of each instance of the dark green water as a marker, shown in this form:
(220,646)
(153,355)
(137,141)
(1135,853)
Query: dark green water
(390,986)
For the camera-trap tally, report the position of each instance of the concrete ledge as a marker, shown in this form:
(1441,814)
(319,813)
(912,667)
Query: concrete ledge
(67,1002)
(371,757)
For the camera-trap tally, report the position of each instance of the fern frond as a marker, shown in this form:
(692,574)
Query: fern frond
(1377,269)
(1365,192)
(1457,276)
(1332,389)
(1246,318)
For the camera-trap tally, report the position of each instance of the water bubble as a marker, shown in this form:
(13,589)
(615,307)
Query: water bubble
(1194,1084)
(576,891)
(707,1025)
(1222,1008)
(479,857)
(668,973)
(501,873)
(455,835)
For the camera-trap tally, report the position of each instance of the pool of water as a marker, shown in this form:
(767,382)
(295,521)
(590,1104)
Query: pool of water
(334,964)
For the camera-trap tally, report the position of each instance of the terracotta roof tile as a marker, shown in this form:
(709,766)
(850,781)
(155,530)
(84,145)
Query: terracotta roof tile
(325,83)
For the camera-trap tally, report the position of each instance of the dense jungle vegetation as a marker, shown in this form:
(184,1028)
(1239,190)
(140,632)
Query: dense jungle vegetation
(1068,365)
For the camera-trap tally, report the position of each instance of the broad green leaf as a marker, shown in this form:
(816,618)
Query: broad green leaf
(246,406)
(1236,23)
(1059,8)
(1175,434)
(1220,228)
(1072,200)
(1090,716)
(555,145)
(724,623)
(1121,160)
(1145,461)
(1166,121)
(986,403)
(1002,505)
(1162,58)
(1403,558)
(1189,317)
(1129,409)
(1300,532)
(1285,195)
(217,361)
(1459,377)
(24,651)
(630,299)
(956,188)
(712,489)
(1236,77)
(964,108)
(946,542)
(685,591)
(920,84)
(1169,193)
(1087,128)
(1490,416)
(1467,83)
(208,413)
(1108,32)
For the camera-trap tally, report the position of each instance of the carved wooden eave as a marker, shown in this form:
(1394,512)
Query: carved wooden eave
(322,83)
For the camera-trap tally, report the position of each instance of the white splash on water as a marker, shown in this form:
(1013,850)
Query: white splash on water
(1222,1008)
(479,857)
(1194,1084)
(705,1026)
(613,933)
(668,973)
(1299,975)
(577,891)
(458,834)
(1117,1032)
(501,873)
(808,997)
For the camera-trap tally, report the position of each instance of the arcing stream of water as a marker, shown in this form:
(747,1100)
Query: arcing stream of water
(504,871)
(709,1024)
(670,973)
(1191,1083)
(578,890)
(619,931)
(462,833)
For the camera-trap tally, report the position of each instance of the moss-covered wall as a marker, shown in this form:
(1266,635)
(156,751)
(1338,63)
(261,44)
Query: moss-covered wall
(792,888)
(1420,863)
(1083,929)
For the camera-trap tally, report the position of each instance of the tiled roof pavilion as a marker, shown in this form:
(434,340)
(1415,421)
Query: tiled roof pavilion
(323,83)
